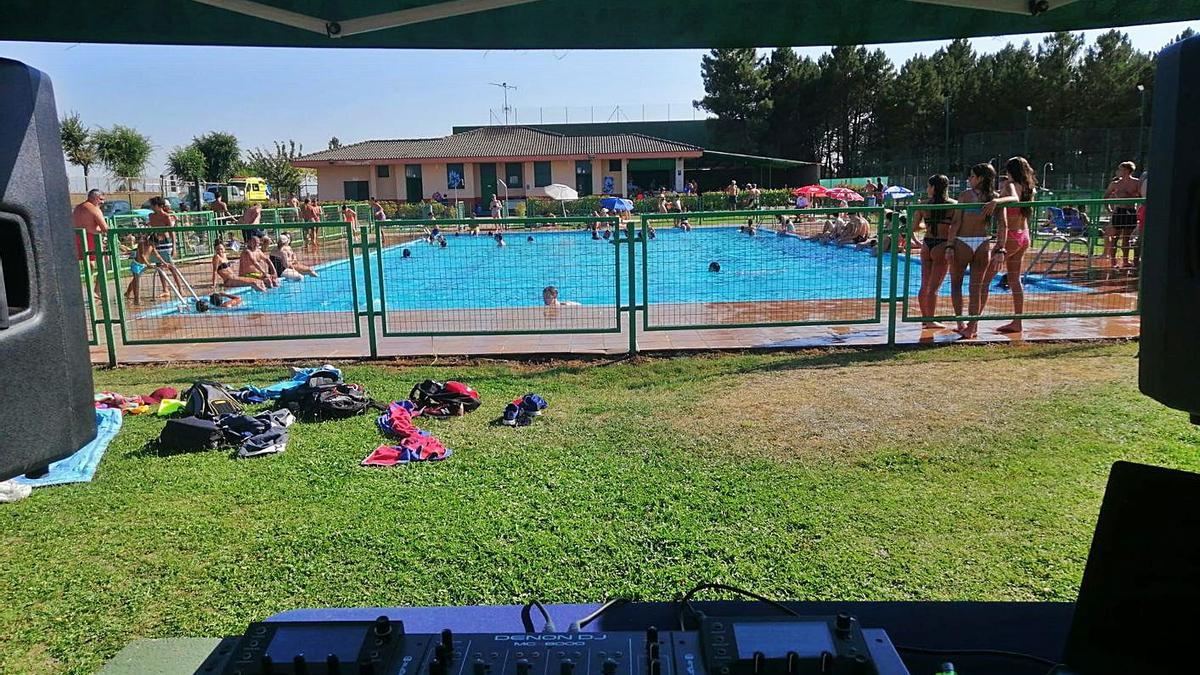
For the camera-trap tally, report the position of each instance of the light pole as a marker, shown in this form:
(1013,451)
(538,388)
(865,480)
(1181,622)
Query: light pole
(1046,169)
(1028,111)
(1141,119)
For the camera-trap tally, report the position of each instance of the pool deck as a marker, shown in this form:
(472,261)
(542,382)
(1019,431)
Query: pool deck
(610,344)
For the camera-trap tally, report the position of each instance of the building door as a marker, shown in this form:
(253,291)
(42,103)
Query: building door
(487,182)
(413,189)
(583,177)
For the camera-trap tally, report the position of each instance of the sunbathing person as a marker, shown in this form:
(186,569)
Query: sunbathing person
(221,267)
(254,264)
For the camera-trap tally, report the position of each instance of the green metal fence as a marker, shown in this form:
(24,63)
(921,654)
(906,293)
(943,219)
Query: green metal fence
(158,304)
(852,297)
(1066,271)
(355,281)
(447,253)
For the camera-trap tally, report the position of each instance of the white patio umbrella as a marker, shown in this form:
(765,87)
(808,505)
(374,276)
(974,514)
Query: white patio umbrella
(562,193)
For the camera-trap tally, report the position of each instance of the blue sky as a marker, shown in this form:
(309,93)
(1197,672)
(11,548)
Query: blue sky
(261,95)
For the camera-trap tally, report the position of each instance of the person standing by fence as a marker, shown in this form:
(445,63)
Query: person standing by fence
(308,213)
(88,217)
(1019,185)
(969,245)
(731,195)
(933,247)
(1124,218)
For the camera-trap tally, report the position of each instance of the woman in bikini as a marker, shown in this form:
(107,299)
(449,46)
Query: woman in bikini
(968,245)
(221,267)
(1020,186)
(933,248)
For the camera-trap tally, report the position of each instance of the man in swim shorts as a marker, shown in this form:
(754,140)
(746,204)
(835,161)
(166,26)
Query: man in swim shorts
(1124,218)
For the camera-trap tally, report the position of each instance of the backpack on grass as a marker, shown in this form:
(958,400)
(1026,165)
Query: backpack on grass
(210,401)
(190,434)
(325,396)
(452,399)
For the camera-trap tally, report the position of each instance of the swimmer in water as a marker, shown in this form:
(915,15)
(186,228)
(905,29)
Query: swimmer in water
(500,239)
(714,266)
(550,297)
(406,253)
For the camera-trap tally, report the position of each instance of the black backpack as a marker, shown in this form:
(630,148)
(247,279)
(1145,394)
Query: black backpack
(210,401)
(449,399)
(190,434)
(325,396)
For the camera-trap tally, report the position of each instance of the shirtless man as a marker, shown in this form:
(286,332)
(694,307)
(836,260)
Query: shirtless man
(308,215)
(254,264)
(164,241)
(88,217)
(731,195)
(219,207)
(349,214)
(1124,218)
(252,215)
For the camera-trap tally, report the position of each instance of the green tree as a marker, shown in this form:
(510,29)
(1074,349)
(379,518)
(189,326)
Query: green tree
(124,151)
(1109,75)
(736,92)
(849,93)
(1054,96)
(187,163)
(792,122)
(276,167)
(222,156)
(78,146)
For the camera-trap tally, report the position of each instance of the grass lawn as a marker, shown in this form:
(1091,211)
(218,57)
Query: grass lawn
(951,473)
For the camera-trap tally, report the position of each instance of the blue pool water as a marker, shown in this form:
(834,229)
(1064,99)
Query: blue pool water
(473,272)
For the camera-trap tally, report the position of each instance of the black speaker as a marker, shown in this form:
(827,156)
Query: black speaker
(1170,345)
(46,409)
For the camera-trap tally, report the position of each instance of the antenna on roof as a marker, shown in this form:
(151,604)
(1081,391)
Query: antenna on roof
(507,108)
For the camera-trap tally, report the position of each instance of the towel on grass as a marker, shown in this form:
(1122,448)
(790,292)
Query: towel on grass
(81,466)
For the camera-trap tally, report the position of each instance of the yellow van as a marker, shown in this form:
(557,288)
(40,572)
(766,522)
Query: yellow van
(255,188)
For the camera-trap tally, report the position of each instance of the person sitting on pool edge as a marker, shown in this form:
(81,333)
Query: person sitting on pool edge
(856,231)
(550,297)
(221,268)
(288,256)
(831,232)
(254,264)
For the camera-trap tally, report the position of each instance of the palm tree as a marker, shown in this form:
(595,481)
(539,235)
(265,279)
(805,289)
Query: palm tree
(79,146)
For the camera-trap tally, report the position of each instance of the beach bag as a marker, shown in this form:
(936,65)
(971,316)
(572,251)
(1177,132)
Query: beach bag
(451,399)
(329,401)
(190,434)
(209,400)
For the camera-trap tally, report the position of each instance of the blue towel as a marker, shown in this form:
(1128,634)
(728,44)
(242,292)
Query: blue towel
(253,394)
(81,466)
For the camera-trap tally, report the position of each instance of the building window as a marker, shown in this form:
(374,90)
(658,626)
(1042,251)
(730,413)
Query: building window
(541,174)
(412,170)
(614,165)
(383,171)
(513,175)
(454,177)
(356,190)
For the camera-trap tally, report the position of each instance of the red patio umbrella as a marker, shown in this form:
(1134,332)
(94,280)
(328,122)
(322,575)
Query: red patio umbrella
(809,191)
(843,193)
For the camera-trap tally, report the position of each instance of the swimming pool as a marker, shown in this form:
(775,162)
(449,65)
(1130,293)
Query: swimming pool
(473,272)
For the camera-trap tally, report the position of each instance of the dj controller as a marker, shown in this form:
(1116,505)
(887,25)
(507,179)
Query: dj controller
(750,645)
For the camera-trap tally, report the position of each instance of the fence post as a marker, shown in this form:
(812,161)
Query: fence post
(369,290)
(102,283)
(894,229)
(633,348)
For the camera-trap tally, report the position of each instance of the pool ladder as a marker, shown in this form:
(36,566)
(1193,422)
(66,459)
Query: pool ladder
(1063,250)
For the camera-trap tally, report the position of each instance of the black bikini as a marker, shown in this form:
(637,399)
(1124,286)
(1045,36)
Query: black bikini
(931,240)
